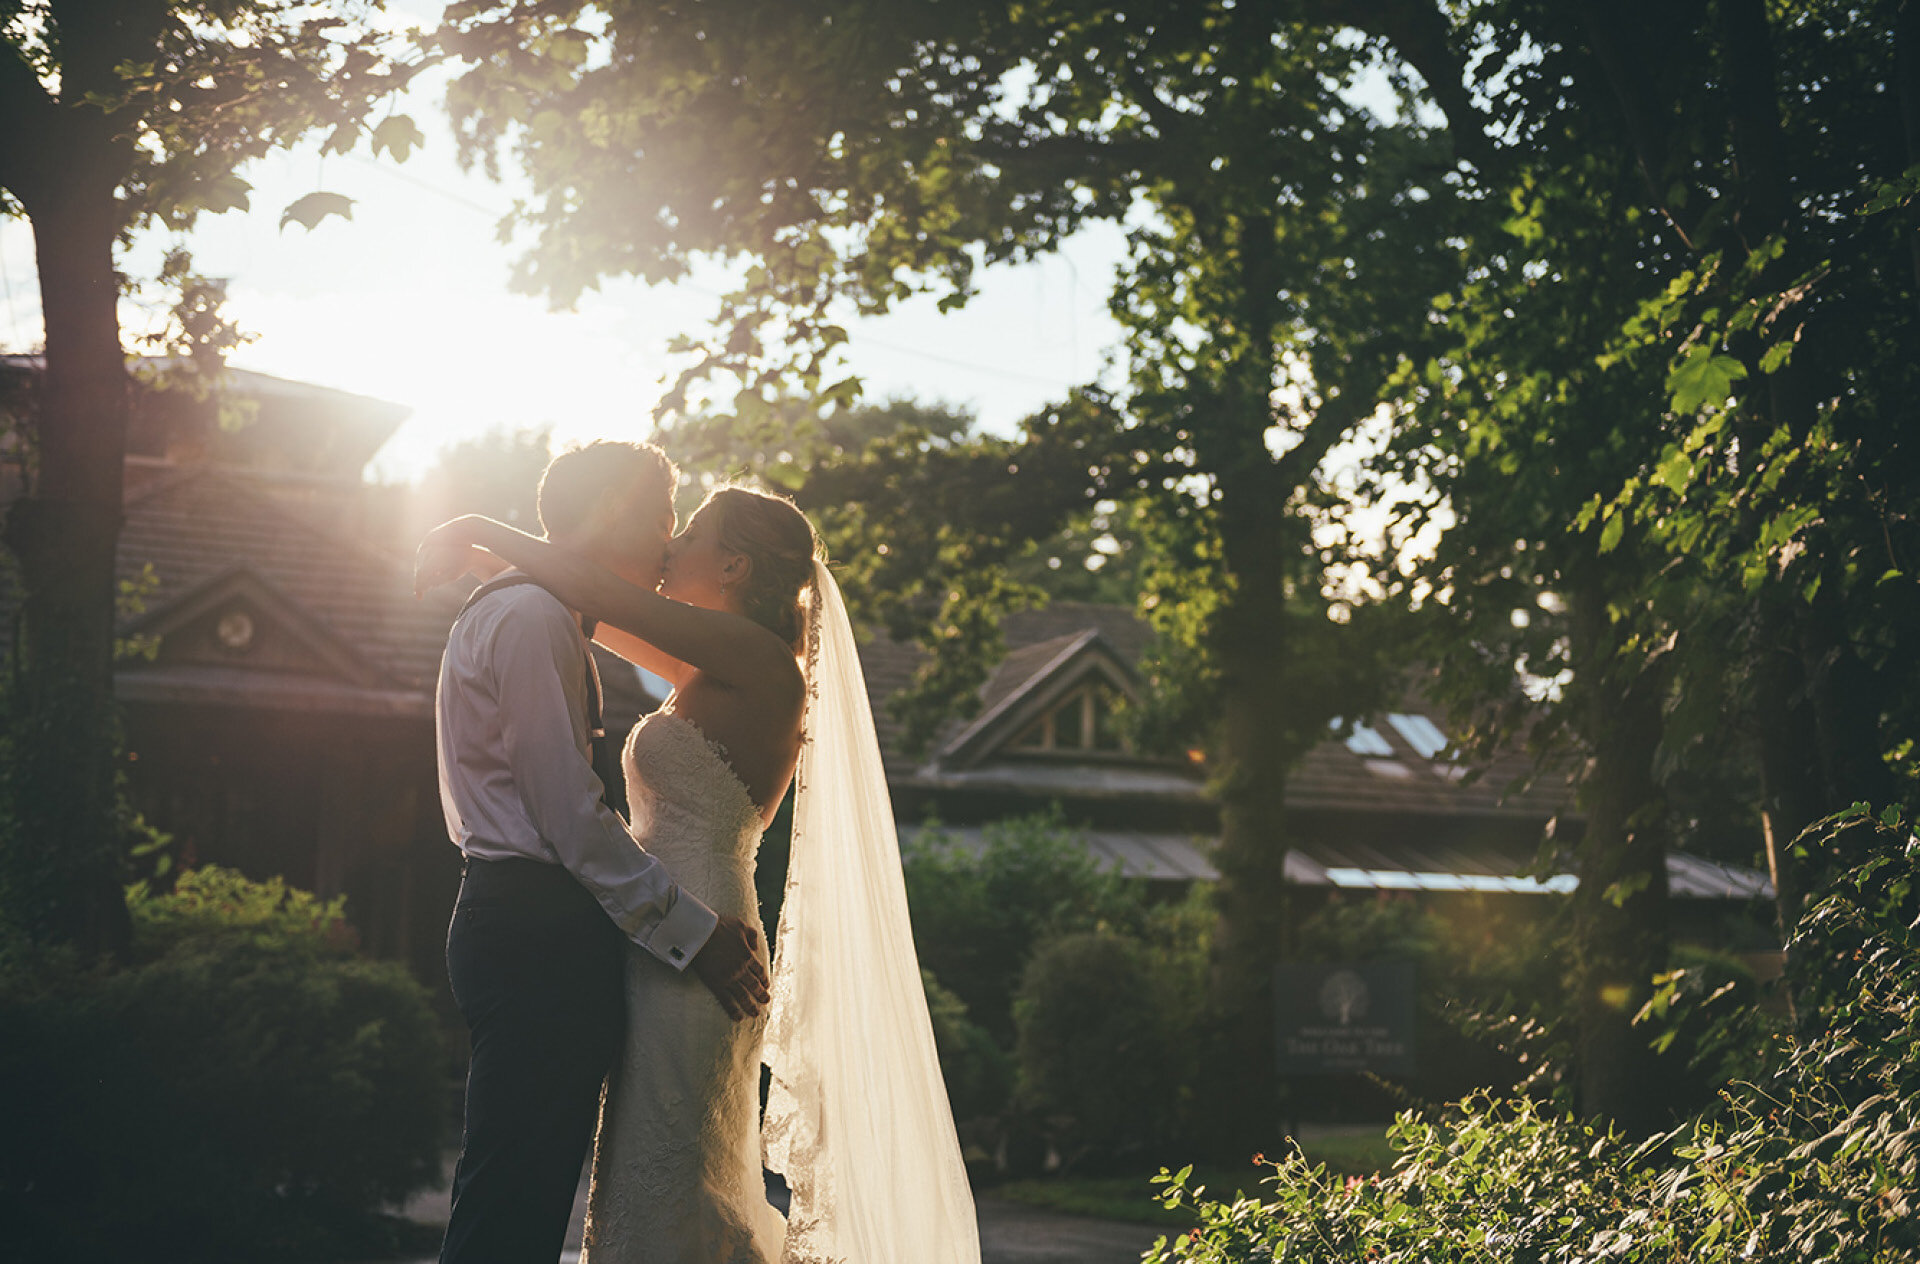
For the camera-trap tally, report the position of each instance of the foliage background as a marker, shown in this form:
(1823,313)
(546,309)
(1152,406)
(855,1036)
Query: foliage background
(245,1087)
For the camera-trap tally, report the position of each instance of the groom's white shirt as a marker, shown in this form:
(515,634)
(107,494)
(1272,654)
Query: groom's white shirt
(516,769)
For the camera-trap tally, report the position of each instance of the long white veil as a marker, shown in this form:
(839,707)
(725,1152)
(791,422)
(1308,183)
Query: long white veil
(858,1119)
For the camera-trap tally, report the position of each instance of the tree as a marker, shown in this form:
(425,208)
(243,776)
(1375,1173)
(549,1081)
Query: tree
(857,153)
(122,114)
(1682,318)
(1549,247)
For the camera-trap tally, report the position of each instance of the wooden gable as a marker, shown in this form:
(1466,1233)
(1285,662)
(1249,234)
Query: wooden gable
(238,620)
(1060,705)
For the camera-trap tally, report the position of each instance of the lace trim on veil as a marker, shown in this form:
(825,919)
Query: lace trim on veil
(857,1116)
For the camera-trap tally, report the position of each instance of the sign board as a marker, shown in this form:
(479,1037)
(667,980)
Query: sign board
(1344,1017)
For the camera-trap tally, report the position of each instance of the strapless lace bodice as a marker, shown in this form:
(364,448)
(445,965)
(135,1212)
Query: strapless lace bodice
(676,1168)
(693,812)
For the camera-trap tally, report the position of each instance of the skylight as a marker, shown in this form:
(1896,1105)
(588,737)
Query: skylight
(1366,742)
(1420,733)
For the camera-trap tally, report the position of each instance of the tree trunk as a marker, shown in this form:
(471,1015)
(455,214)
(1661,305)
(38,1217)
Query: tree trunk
(1620,908)
(64,875)
(1906,48)
(1250,647)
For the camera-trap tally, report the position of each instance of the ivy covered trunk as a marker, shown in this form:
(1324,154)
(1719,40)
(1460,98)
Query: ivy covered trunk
(63,867)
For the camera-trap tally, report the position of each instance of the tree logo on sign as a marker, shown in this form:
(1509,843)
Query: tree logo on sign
(1344,997)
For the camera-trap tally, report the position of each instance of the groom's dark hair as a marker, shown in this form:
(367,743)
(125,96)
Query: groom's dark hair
(582,487)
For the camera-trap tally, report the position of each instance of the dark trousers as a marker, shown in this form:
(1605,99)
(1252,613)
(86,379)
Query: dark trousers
(536,969)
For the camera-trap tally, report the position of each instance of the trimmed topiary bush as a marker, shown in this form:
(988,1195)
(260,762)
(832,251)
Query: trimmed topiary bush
(247,1088)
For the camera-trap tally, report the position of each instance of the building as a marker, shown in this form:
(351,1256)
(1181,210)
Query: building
(278,701)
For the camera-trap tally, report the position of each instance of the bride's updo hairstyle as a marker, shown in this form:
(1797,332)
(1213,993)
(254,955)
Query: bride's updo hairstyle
(776,537)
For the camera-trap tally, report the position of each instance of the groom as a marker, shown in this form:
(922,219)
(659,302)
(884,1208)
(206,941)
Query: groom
(554,882)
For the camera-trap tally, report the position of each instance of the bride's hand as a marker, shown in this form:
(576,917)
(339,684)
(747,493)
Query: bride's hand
(447,553)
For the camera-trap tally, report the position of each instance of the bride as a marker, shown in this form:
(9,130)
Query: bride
(749,628)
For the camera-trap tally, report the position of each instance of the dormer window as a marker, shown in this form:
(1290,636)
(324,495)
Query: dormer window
(1087,719)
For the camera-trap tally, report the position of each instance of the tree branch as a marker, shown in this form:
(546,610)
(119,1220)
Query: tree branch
(30,138)
(1906,54)
(1330,424)
(1630,74)
(1420,33)
(1755,116)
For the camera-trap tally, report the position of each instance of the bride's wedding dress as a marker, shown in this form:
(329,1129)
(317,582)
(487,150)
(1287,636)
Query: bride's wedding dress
(857,1117)
(676,1168)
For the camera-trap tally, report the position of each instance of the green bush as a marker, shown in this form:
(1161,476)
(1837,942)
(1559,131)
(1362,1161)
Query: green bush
(1816,1159)
(247,1087)
(991,921)
(1101,1046)
(978,915)
(978,1072)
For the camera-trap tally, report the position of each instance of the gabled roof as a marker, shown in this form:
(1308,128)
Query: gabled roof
(1333,777)
(1029,681)
(296,641)
(1048,645)
(295,426)
(889,665)
(203,524)
(211,534)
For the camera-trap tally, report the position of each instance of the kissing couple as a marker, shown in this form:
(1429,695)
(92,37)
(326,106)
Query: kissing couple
(610,971)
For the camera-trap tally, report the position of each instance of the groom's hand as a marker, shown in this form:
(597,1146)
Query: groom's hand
(730,965)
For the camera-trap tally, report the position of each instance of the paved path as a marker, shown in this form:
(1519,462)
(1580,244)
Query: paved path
(1010,1233)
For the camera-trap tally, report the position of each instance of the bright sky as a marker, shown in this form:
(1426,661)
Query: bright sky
(409,302)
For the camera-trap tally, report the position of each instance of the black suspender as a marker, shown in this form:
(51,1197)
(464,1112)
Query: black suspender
(596,698)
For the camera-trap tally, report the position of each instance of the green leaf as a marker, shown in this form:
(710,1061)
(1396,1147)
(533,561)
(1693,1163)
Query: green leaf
(1775,357)
(1894,193)
(341,139)
(1610,534)
(1709,427)
(1703,378)
(222,193)
(314,207)
(1674,473)
(398,136)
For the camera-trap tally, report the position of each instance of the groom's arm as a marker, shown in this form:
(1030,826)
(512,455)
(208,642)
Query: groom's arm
(539,682)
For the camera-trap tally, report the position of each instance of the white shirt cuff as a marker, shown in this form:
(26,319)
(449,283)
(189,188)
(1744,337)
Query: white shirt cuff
(683,932)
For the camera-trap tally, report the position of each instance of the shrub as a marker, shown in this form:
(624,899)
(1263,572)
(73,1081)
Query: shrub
(978,915)
(1817,1159)
(978,1072)
(1100,1045)
(246,1087)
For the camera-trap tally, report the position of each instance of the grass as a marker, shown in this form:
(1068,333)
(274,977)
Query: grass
(1131,1198)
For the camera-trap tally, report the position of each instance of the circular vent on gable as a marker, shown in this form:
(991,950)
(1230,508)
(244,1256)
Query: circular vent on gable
(235,631)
